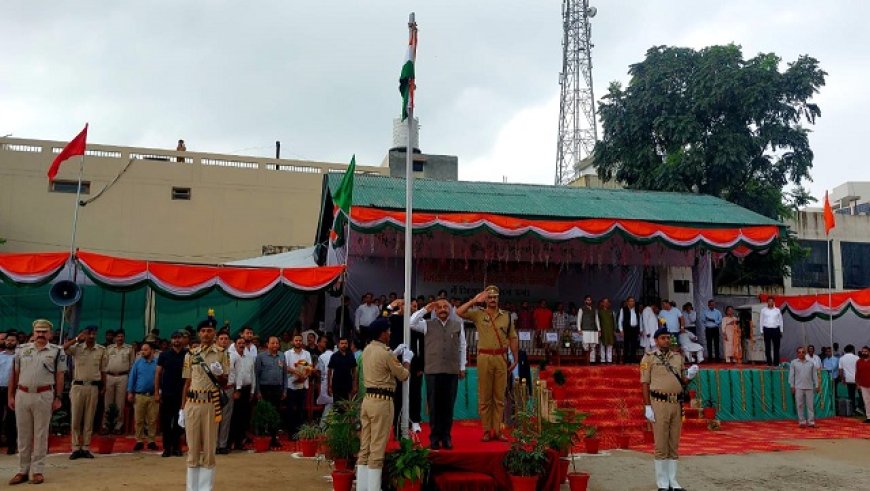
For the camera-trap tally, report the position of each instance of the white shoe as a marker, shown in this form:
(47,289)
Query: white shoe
(206,479)
(672,475)
(415,427)
(375,479)
(362,478)
(662,474)
(192,478)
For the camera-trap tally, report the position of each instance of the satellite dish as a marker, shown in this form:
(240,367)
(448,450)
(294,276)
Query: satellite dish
(591,11)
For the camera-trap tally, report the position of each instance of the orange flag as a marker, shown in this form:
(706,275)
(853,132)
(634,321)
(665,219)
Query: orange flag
(829,216)
(75,147)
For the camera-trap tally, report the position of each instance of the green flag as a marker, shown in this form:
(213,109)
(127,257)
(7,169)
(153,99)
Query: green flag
(342,199)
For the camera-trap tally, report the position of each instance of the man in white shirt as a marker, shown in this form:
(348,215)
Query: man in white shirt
(323,368)
(248,336)
(813,357)
(673,318)
(243,363)
(629,323)
(848,367)
(223,342)
(690,318)
(771,328)
(299,367)
(649,325)
(366,313)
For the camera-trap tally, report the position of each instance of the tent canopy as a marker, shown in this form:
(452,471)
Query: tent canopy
(807,307)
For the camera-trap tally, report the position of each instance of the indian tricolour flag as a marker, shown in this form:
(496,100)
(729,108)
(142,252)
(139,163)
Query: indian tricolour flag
(406,79)
(342,199)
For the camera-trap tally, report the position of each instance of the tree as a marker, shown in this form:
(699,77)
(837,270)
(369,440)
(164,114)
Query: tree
(708,121)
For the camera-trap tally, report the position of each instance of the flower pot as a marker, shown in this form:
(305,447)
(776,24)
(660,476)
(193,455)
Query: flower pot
(411,486)
(342,480)
(524,483)
(104,444)
(578,481)
(648,436)
(709,413)
(623,441)
(563,469)
(261,444)
(308,447)
(339,464)
(592,445)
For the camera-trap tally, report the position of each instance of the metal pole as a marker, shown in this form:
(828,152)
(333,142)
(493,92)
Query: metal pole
(409,199)
(72,242)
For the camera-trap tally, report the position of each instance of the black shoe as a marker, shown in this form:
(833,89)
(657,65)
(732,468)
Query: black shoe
(177,453)
(447,444)
(87,454)
(436,445)
(222,451)
(77,454)
(166,453)
(10,450)
(152,446)
(138,447)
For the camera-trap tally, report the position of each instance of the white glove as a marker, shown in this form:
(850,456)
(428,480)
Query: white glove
(407,356)
(216,368)
(650,416)
(692,371)
(399,350)
(181,418)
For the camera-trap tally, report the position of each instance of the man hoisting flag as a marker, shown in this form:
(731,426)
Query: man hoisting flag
(73,148)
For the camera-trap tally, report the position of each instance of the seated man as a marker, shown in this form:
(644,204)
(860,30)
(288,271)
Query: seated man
(690,346)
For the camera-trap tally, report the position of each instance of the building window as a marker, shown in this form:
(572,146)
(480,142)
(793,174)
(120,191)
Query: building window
(181,193)
(65,186)
(417,165)
(681,286)
(812,271)
(856,264)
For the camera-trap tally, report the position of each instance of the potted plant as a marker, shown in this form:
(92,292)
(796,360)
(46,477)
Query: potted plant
(577,481)
(709,409)
(526,459)
(106,443)
(59,426)
(559,389)
(264,422)
(308,436)
(408,466)
(560,435)
(622,416)
(341,432)
(592,442)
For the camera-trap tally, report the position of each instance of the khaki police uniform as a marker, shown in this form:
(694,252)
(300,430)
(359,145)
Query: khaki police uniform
(33,398)
(202,406)
(118,364)
(90,363)
(664,391)
(381,369)
(494,337)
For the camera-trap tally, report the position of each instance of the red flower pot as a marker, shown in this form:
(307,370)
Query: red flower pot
(648,436)
(578,481)
(104,444)
(308,447)
(623,441)
(563,469)
(592,445)
(709,413)
(342,480)
(339,464)
(524,483)
(412,486)
(261,445)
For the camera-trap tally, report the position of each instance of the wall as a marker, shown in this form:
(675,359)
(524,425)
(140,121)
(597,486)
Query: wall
(238,205)
(439,167)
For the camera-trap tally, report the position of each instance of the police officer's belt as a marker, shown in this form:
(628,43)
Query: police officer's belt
(34,390)
(118,374)
(672,398)
(379,393)
(495,352)
(96,383)
(199,396)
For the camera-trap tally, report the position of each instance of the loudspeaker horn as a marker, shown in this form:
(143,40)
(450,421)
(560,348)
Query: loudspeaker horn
(65,293)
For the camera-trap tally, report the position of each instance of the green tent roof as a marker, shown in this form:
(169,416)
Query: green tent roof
(539,201)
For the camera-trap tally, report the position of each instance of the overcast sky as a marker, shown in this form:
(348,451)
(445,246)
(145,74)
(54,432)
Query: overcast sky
(233,77)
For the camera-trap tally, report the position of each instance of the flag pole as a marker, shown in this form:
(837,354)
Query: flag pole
(72,242)
(409,200)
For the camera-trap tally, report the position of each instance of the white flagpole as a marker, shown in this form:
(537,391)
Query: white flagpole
(72,242)
(409,200)
(831,316)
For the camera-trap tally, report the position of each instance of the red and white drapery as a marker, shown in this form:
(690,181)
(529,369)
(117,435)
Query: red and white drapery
(175,279)
(808,306)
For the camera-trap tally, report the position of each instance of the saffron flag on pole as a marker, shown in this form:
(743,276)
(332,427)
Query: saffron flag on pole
(73,148)
(342,200)
(406,79)
(829,216)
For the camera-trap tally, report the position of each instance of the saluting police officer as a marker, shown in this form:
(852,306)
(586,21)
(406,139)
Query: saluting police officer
(380,371)
(201,410)
(34,393)
(661,375)
(89,382)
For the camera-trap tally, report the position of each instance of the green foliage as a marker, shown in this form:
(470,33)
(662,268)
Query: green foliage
(408,464)
(561,433)
(265,420)
(712,122)
(59,424)
(309,431)
(559,377)
(527,455)
(591,431)
(342,429)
